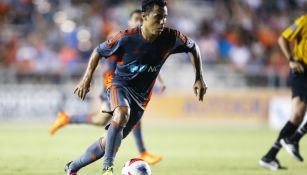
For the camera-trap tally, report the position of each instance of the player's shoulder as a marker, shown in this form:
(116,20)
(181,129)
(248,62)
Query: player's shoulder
(174,33)
(170,31)
(122,35)
(129,32)
(301,20)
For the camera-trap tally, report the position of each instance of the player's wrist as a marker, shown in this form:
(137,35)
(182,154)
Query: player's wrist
(291,58)
(199,77)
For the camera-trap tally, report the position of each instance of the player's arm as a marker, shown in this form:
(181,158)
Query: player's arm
(284,42)
(105,49)
(161,82)
(200,87)
(84,85)
(185,44)
(284,45)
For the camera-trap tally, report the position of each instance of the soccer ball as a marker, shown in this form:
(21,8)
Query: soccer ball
(136,167)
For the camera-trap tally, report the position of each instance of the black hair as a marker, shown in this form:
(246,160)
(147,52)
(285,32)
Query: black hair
(147,5)
(134,12)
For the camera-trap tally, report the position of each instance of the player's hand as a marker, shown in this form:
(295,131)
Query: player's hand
(82,89)
(296,67)
(200,89)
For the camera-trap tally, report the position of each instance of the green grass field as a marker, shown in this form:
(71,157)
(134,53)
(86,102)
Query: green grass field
(187,149)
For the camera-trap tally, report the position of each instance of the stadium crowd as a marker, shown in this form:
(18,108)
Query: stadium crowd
(44,36)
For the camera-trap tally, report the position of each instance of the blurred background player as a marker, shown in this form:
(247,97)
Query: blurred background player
(143,51)
(289,136)
(99,118)
(298,65)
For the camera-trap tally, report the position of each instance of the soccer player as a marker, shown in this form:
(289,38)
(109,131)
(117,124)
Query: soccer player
(100,119)
(141,52)
(289,136)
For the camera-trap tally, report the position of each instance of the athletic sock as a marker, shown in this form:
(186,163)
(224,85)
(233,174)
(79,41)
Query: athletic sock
(113,141)
(137,132)
(80,119)
(286,131)
(299,133)
(93,153)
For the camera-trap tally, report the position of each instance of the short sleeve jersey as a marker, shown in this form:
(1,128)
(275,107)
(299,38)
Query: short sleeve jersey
(139,61)
(298,31)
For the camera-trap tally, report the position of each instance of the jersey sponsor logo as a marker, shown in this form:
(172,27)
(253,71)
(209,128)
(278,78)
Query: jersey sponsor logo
(141,68)
(137,68)
(154,68)
(293,27)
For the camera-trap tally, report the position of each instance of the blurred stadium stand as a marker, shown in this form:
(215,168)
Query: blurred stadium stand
(47,43)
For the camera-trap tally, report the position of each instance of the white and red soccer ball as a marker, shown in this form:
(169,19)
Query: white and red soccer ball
(136,167)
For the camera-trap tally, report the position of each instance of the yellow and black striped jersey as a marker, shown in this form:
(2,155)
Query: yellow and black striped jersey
(298,31)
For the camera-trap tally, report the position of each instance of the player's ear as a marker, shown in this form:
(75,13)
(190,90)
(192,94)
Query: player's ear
(144,16)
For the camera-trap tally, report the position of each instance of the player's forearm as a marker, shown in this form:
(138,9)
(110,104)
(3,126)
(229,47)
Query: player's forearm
(284,46)
(195,57)
(93,62)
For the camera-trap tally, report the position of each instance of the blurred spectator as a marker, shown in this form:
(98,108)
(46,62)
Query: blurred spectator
(208,44)
(240,33)
(26,58)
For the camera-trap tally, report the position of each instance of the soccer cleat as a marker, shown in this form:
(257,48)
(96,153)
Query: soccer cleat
(107,171)
(271,164)
(292,148)
(149,158)
(69,171)
(61,120)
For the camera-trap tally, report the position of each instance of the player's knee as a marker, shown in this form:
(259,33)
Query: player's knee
(121,115)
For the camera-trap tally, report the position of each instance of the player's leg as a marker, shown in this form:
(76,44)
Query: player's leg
(64,119)
(144,154)
(115,135)
(120,103)
(298,88)
(291,144)
(93,153)
(96,118)
(60,121)
(102,118)
(269,159)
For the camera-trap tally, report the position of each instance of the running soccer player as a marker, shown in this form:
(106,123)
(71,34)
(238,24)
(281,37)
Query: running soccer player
(290,135)
(100,119)
(141,52)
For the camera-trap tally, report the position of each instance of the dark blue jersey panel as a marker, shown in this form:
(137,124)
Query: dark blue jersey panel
(140,61)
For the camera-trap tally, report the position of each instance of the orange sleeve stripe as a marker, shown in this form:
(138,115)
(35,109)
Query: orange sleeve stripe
(182,37)
(112,41)
(178,34)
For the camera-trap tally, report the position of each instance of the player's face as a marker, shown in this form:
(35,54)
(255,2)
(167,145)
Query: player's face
(155,20)
(135,20)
